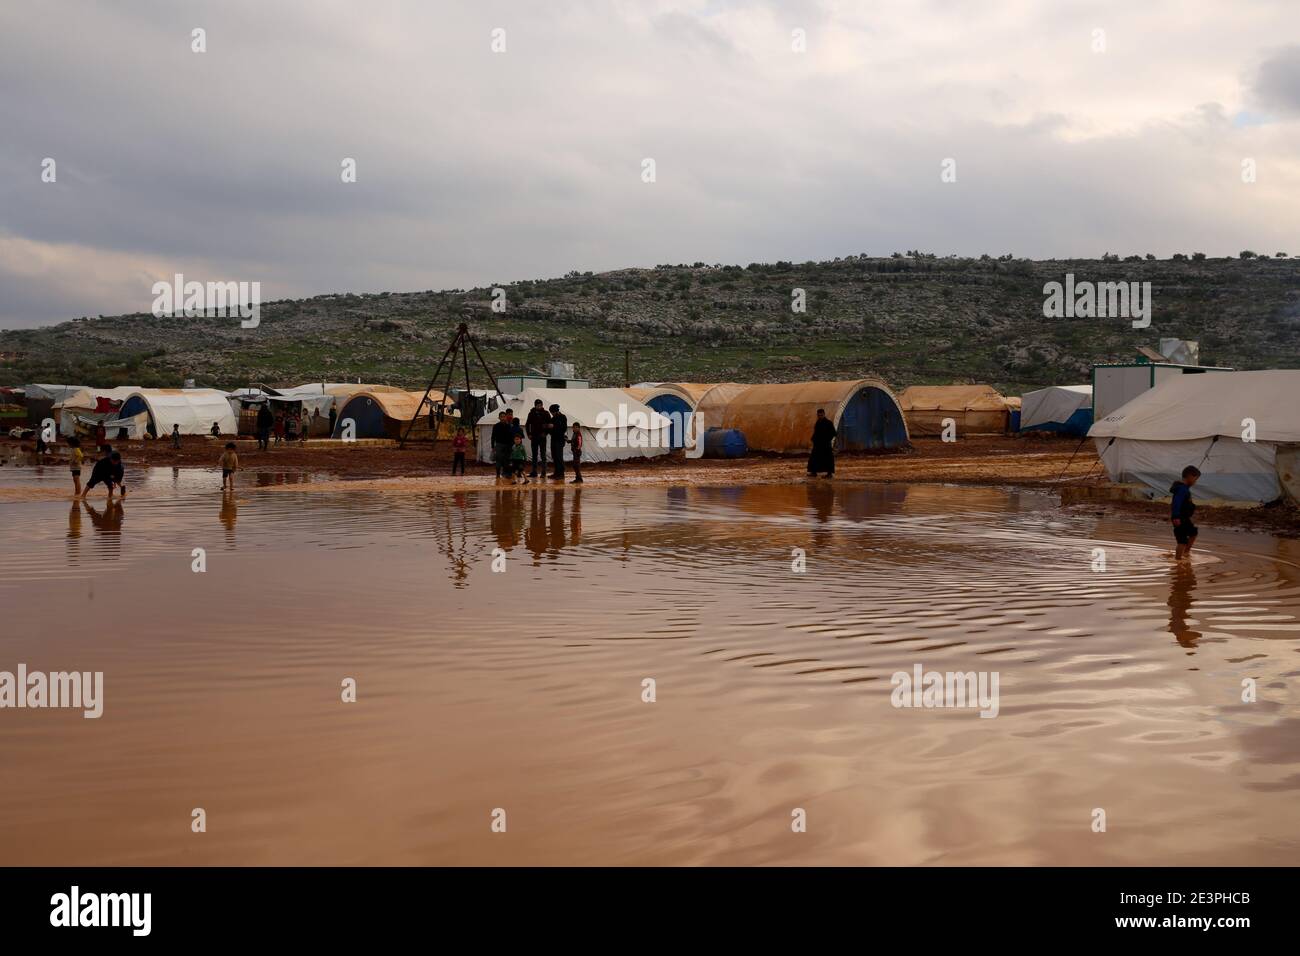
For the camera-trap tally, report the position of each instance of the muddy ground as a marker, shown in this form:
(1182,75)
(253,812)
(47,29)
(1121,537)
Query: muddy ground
(1040,461)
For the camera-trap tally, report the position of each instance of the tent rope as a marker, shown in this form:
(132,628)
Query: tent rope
(1071,461)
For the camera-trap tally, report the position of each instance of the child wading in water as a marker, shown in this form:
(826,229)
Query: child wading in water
(229,465)
(518,458)
(74,460)
(458,445)
(1181,510)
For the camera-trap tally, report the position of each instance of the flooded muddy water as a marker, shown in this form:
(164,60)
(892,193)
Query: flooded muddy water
(770,619)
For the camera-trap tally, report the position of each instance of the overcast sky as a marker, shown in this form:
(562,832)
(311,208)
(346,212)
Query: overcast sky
(477,167)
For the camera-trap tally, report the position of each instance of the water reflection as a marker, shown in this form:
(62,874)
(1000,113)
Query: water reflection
(228,515)
(1182,582)
(107,525)
(74,533)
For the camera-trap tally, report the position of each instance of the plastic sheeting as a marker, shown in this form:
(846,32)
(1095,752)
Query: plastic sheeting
(84,406)
(1053,405)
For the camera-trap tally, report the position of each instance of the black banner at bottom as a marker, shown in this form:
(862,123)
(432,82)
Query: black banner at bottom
(545,906)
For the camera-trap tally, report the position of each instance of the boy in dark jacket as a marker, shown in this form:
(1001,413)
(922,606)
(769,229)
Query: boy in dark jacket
(1181,510)
(108,472)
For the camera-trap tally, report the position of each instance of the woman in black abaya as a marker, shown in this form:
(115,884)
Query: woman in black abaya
(823,446)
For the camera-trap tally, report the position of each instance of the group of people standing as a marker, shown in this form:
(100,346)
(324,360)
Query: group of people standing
(282,427)
(545,431)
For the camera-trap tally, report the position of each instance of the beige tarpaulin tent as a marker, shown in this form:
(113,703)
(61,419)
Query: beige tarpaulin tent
(708,399)
(976,409)
(779,418)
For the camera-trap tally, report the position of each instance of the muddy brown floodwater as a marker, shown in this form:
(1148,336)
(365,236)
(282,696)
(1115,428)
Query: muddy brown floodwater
(524,690)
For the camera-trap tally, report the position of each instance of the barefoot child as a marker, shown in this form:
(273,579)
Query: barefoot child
(75,458)
(229,465)
(1181,510)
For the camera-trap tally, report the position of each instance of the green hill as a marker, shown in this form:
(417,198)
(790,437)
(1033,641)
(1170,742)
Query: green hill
(910,319)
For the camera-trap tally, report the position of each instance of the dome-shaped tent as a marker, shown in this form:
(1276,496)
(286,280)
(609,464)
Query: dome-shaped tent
(708,400)
(195,410)
(671,401)
(779,418)
(975,409)
(385,414)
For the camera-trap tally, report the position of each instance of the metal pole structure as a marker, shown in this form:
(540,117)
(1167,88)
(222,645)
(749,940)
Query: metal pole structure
(401,442)
(461,342)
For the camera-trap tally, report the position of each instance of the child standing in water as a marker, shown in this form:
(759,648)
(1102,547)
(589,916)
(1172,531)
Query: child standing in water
(1181,509)
(76,457)
(518,457)
(229,465)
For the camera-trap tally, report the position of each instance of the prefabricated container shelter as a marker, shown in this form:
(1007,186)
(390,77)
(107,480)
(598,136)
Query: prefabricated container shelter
(1114,385)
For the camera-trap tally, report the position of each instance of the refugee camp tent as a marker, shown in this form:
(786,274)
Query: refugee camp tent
(193,409)
(671,401)
(81,411)
(384,412)
(709,400)
(779,418)
(1198,420)
(42,400)
(975,409)
(1058,408)
(614,424)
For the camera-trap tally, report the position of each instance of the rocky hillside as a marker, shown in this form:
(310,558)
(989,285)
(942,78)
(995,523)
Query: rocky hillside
(908,318)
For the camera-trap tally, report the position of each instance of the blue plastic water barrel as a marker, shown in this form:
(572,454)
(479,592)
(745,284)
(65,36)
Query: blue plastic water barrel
(725,443)
(1014,424)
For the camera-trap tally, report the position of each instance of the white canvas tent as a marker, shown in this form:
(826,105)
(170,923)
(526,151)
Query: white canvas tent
(1200,420)
(632,429)
(193,409)
(1053,405)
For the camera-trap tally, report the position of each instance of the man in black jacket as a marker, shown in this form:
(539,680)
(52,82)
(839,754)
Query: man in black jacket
(559,425)
(502,438)
(537,426)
